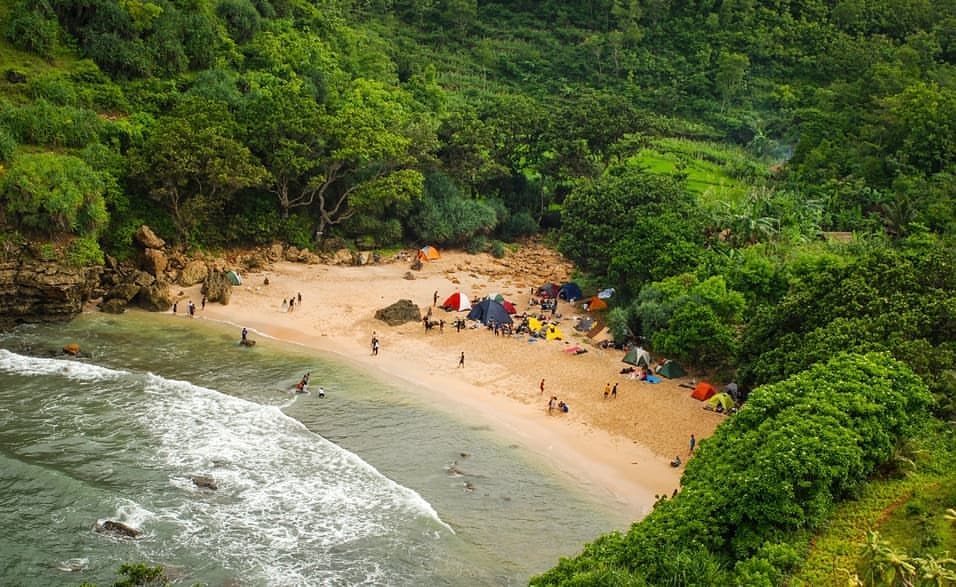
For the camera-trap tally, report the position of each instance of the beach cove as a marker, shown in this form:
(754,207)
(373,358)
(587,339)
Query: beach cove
(618,449)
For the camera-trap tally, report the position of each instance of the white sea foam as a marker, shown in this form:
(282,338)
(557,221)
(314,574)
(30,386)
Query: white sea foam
(287,498)
(39,366)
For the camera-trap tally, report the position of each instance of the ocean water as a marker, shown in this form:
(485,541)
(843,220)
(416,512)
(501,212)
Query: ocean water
(371,485)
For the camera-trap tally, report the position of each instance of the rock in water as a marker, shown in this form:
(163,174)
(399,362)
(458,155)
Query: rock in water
(205,482)
(117,529)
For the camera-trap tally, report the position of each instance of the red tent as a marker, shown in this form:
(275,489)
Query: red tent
(509,307)
(704,391)
(457,302)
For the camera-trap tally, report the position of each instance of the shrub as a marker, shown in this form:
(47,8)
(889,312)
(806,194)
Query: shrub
(8,144)
(241,18)
(85,251)
(498,249)
(31,31)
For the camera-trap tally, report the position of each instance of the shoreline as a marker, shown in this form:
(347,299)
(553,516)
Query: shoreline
(614,449)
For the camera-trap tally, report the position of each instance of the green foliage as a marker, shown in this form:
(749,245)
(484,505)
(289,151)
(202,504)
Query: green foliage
(139,575)
(84,250)
(30,29)
(43,123)
(54,194)
(241,18)
(444,217)
(497,249)
(8,144)
(768,474)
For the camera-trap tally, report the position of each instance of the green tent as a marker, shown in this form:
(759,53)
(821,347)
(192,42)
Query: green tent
(233,278)
(723,400)
(671,370)
(638,356)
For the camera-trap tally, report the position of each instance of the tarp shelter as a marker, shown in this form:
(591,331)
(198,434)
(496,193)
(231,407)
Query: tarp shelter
(570,291)
(489,310)
(534,325)
(671,370)
(428,253)
(457,302)
(584,324)
(233,278)
(723,400)
(595,304)
(548,290)
(704,391)
(606,293)
(509,307)
(638,356)
(553,332)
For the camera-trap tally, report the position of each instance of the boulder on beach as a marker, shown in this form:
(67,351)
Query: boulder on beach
(400,312)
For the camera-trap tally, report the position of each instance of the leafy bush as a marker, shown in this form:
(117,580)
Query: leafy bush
(28,29)
(444,217)
(85,251)
(768,474)
(54,193)
(241,18)
(498,249)
(8,144)
(477,244)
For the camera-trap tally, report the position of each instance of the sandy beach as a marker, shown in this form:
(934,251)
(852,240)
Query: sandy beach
(618,449)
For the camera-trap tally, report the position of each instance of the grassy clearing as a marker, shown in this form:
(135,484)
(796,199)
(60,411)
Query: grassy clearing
(908,512)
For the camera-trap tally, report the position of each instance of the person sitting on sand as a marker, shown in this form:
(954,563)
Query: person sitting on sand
(676,461)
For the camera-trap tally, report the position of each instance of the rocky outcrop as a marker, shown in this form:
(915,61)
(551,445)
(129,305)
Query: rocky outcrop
(217,288)
(155,262)
(146,237)
(37,291)
(398,313)
(118,529)
(193,272)
(154,297)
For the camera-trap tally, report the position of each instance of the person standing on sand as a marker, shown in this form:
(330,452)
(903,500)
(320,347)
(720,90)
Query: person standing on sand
(192,309)
(693,443)
(285,305)
(435,298)
(174,306)
(244,333)
(541,385)
(607,390)
(299,296)
(292,304)
(551,403)
(461,359)
(203,303)
(614,392)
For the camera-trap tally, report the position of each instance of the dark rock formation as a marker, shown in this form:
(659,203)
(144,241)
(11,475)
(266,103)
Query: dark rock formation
(146,237)
(118,529)
(114,306)
(37,291)
(217,288)
(193,272)
(154,298)
(400,312)
(205,482)
(155,262)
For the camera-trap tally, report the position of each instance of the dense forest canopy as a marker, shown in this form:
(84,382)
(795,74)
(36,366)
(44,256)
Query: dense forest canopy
(692,154)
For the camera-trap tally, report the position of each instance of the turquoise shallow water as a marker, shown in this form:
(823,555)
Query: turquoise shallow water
(371,485)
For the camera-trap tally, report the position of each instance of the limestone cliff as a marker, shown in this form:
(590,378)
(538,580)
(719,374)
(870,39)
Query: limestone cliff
(35,291)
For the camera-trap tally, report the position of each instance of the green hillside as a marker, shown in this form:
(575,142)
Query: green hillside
(693,154)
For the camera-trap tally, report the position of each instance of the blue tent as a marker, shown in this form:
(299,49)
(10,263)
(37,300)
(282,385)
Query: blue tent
(570,291)
(489,310)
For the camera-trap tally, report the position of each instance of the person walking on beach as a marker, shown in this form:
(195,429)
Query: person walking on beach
(174,306)
(285,305)
(461,359)
(374,346)
(435,298)
(292,304)
(693,443)
(614,392)
(541,385)
(607,390)
(441,327)
(203,303)
(192,309)
(299,296)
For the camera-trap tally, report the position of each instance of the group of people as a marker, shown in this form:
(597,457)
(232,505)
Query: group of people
(303,385)
(190,308)
(288,305)
(555,404)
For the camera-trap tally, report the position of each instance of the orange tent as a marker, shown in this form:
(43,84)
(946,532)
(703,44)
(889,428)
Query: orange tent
(428,253)
(596,303)
(704,391)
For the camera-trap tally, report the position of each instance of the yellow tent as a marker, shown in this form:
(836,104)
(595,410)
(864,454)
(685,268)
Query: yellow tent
(534,324)
(554,333)
(428,253)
